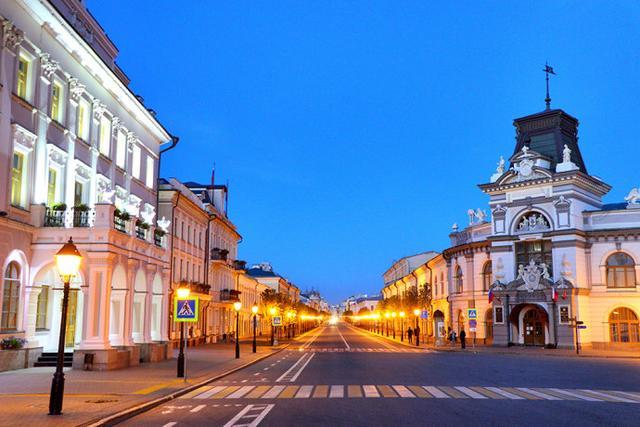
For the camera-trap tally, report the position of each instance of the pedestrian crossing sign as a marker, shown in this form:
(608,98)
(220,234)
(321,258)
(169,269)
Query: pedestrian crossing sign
(185,310)
(472,313)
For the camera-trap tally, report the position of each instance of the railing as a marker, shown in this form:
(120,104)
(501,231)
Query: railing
(54,218)
(141,233)
(82,218)
(229,295)
(219,254)
(157,239)
(119,224)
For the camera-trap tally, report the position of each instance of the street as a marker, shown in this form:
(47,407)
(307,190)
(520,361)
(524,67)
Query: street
(340,375)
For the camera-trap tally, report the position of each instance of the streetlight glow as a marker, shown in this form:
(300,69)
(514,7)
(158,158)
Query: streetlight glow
(416,312)
(237,305)
(254,309)
(68,260)
(183,292)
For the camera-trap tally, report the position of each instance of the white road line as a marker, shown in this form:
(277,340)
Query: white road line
(283,376)
(579,396)
(345,341)
(208,394)
(472,394)
(370,391)
(437,393)
(297,374)
(171,424)
(256,418)
(273,392)
(624,393)
(505,393)
(241,392)
(337,391)
(538,393)
(609,396)
(402,391)
(304,392)
(198,408)
(313,338)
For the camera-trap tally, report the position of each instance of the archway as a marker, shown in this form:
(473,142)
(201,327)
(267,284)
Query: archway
(139,306)
(117,306)
(439,325)
(156,308)
(488,326)
(532,323)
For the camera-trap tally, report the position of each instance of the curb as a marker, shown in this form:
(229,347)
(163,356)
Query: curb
(125,414)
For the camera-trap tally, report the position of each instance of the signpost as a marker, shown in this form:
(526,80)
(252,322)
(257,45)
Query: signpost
(424,314)
(472,315)
(185,310)
(579,324)
(275,322)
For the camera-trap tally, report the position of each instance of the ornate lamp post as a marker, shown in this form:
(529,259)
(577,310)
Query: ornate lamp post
(254,310)
(237,306)
(183,293)
(393,323)
(387,315)
(402,314)
(272,311)
(416,313)
(68,262)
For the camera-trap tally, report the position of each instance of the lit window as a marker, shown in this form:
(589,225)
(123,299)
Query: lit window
(135,168)
(149,172)
(17,180)
(10,297)
(52,187)
(459,280)
(487,276)
(621,271)
(105,135)
(56,102)
(23,77)
(623,326)
(41,313)
(78,193)
(83,120)
(121,150)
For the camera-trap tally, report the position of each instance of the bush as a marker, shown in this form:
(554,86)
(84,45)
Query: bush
(12,343)
(81,208)
(59,207)
(143,225)
(123,215)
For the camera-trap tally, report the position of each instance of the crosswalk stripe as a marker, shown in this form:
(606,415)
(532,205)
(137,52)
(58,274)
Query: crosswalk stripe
(403,391)
(505,393)
(211,392)
(196,392)
(489,394)
(336,391)
(274,392)
(579,396)
(607,397)
(370,391)
(435,392)
(472,394)
(321,391)
(258,391)
(520,393)
(304,392)
(453,392)
(538,393)
(386,391)
(289,392)
(419,392)
(226,392)
(241,392)
(354,391)
(633,396)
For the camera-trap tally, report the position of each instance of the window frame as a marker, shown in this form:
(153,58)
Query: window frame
(13,309)
(487,276)
(459,279)
(56,109)
(23,179)
(136,158)
(28,80)
(42,309)
(149,171)
(104,136)
(632,325)
(612,272)
(523,257)
(83,120)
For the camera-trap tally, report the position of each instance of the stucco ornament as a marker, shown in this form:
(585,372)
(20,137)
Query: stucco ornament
(48,65)
(164,224)
(13,36)
(533,222)
(148,213)
(499,170)
(76,88)
(633,197)
(107,195)
(531,275)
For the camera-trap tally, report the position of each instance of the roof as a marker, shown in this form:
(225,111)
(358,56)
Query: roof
(258,272)
(612,207)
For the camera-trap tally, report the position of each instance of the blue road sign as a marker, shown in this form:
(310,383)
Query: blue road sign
(472,313)
(424,314)
(186,310)
(582,326)
(276,321)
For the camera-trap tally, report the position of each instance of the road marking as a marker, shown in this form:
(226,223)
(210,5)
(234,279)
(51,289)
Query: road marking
(387,391)
(370,391)
(286,375)
(472,394)
(304,392)
(436,392)
(337,391)
(196,392)
(241,392)
(505,393)
(579,396)
(289,392)
(211,392)
(520,393)
(171,424)
(257,392)
(297,374)
(354,391)
(345,341)
(607,397)
(321,391)
(629,395)
(419,392)
(198,408)
(245,414)
(538,393)
(489,394)
(274,392)
(224,393)
(403,391)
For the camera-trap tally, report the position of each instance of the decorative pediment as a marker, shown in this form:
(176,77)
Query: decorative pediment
(83,171)
(48,65)
(57,156)
(22,138)
(13,36)
(532,222)
(98,109)
(76,88)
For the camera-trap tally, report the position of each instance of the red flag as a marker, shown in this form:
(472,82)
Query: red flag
(554,294)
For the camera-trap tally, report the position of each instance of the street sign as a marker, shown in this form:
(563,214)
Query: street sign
(185,310)
(276,321)
(472,313)
(473,323)
(424,314)
(582,326)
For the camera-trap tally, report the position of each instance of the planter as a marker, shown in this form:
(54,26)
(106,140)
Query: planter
(19,359)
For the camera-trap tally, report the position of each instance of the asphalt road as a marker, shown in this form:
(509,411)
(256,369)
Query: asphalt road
(342,376)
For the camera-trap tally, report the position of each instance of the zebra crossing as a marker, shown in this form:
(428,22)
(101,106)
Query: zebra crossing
(359,350)
(408,392)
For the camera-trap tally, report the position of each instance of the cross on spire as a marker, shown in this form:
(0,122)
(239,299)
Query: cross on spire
(548,70)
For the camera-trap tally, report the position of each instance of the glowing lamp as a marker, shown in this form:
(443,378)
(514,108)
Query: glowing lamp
(387,314)
(394,314)
(183,292)
(237,305)
(68,261)
(416,312)
(273,311)
(402,314)
(254,309)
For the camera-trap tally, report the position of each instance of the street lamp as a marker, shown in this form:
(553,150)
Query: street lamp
(254,310)
(402,314)
(387,315)
(272,311)
(68,262)
(183,293)
(237,306)
(393,323)
(416,331)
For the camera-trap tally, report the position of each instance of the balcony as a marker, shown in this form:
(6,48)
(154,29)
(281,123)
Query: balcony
(239,265)
(229,295)
(218,254)
(196,287)
(141,230)
(82,216)
(120,220)
(54,216)
(59,216)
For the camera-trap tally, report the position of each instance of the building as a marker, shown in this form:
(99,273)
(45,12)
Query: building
(79,158)
(264,273)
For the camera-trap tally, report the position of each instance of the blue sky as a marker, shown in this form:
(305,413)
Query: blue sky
(354,133)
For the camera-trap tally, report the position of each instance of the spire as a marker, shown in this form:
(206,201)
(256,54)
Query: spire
(548,70)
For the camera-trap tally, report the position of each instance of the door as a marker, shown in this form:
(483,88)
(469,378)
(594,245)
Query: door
(533,324)
(70,335)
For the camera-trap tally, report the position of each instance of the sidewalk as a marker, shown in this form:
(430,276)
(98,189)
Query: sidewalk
(90,395)
(530,351)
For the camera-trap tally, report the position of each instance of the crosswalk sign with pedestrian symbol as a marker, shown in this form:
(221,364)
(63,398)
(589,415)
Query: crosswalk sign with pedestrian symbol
(186,310)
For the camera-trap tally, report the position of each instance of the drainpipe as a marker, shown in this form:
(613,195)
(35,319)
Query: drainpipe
(431,322)
(171,263)
(174,142)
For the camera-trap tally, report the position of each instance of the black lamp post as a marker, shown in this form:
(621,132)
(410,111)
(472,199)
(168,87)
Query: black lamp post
(272,312)
(182,293)
(393,323)
(237,306)
(402,326)
(254,310)
(68,262)
(416,313)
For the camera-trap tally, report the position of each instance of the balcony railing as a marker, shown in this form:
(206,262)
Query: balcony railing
(120,224)
(54,217)
(157,239)
(229,295)
(218,254)
(82,218)
(141,233)
(79,216)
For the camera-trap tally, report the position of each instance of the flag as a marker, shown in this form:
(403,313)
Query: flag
(554,294)
(564,294)
(490,296)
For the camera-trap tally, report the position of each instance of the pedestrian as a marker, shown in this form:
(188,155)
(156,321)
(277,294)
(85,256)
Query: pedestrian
(416,332)
(410,334)
(454,337)
(463,336)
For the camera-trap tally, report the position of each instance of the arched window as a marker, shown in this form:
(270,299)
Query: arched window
(621,271)
(441,283)
(435,285)
(623,325)
(10,297)
(459,280)
(487,275)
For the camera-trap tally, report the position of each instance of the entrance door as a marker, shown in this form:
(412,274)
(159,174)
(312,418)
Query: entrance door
(533,324)
(70,335)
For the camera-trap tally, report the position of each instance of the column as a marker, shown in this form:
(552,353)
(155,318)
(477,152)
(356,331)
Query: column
(129,294)
(97,302)
(148,303)
(166,301)
(29,319)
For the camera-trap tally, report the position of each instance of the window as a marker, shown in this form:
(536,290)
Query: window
(121,150)
(10,297)
(82,127)
(537,250)
(56,102)
(149,180)
(487,275)
(23,77)
(17,179)
(623,325)
(105,135)
(621,271)
(135,168)
(41,314)
(499,314)
(78,193)
(52,187)
(459,280)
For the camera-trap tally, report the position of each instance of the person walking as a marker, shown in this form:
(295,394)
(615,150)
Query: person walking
(410,335)
(463,336)
(416,332)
